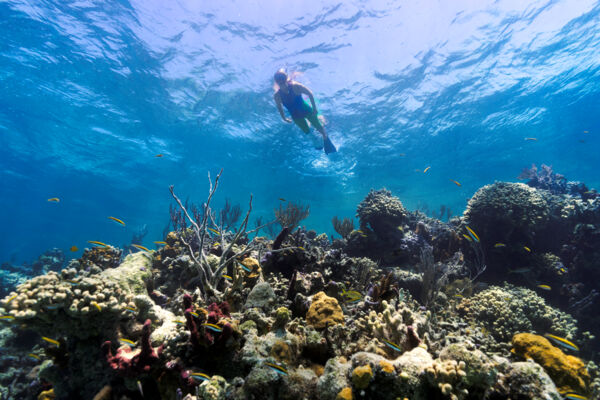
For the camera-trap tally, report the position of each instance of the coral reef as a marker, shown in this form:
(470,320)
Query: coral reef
(324,311)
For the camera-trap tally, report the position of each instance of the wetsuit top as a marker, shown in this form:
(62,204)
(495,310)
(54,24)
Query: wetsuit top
(294,103)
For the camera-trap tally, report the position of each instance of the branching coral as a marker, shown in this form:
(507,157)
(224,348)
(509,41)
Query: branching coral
(343,227)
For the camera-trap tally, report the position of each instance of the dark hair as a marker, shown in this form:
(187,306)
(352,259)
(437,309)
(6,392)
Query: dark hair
(280,76)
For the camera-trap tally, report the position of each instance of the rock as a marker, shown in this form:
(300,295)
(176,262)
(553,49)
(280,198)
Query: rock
(361,376)
(261,296)
(334,378)
(324,311)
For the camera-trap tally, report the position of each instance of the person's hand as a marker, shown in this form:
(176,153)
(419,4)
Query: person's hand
(289,121)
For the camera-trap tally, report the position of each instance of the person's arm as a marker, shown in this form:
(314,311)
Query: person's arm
(277,99)
(301,89)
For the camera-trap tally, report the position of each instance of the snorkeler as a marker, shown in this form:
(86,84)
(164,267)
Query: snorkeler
(290,95)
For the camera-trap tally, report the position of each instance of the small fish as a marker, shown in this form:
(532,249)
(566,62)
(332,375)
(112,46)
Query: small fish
(216,244)
(581,141)
(277,368)
(74,248)
(216,232)
(574,396)
(351,294)
(588,192)
(244,267)
(472,233)
(131,309)
(562,271)
(97,243)
(53,306)
(402,154)
(359,231)
(531,139)
(160,242)
(139,386)
(139,246)
(11,298)
(33,357)
(562,342)
(426,169)
(51,341)
(455,182)
(527,248)
(363,235)
(400,228)
(195,314)
(497,245)
(199,376)
(6,317)
(179,322)
(117,220)
(54,200)
(72,282)
(301,248)
(127,342)
(523,270)
(227,277)
(459,296)
(281,199)
(158,155)
(392,345)
(586,131)
(96,305)
(213,327)
(544,287)
(467,237)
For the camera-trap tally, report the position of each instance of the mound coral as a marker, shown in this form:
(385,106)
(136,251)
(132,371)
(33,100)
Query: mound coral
(507,212)
(381,212)
(568,372)
(324,311)
(506,310)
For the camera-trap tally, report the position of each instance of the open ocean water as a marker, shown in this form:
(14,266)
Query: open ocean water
(92,91)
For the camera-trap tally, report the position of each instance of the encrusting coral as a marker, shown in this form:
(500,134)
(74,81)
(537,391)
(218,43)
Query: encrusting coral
(568,372)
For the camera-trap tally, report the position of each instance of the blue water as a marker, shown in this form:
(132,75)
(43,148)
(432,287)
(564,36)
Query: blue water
(91,91)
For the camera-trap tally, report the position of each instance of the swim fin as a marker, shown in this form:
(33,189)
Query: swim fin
(329,147)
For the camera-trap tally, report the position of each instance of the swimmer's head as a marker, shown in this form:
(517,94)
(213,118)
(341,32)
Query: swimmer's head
(280,77)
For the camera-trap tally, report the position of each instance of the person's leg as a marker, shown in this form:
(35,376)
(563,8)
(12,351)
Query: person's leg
(302,124)
(316,123)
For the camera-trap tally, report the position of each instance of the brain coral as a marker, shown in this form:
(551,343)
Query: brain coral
(380,211)
(507,310)
(505,212)
(324,311)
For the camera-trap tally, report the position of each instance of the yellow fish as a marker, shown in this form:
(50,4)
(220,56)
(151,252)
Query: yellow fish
(281,199)
(562,342)
(158,155)
(127,342)
(301,248)
(467,237)
(34,357)
(11,298)
(426,169)
(97,243)
(51,341)
(473,234)
(574,396)
(179,322)
(586,131)
(531,139)
(199,376)
(74,248)
(545,287)
(213,327)
(499,245)
(455,182)
(139,246)
(96,305)
(229,278)
(216,232)
(527,248)
(54,200)
(159,242)
(7,317)
(117,220)
(459,296)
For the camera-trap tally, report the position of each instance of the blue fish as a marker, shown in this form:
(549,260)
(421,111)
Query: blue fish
(392,345)
(277,368)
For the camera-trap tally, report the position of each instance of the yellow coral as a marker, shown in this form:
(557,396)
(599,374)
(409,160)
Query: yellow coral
(361,376)
(344,394)
(47,395)
(324,311)
(386,366)
(568,372)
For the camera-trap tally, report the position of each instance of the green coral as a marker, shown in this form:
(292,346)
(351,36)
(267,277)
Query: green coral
(507,310)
